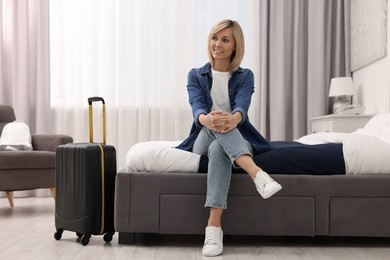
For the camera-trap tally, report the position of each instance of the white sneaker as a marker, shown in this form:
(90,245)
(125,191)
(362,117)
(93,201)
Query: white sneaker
(265,185)
(213,241)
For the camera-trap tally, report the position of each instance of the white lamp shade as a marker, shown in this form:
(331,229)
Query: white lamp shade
(342,86)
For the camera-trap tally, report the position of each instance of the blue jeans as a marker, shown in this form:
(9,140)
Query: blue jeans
(222,150)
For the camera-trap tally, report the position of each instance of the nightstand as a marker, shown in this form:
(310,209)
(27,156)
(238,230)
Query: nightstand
(338,123)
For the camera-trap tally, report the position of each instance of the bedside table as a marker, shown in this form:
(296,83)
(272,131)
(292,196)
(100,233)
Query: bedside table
(338,123)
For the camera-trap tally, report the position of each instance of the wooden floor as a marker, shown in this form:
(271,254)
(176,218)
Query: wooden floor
(26,232)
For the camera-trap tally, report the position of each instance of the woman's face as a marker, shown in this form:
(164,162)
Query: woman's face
(222,44)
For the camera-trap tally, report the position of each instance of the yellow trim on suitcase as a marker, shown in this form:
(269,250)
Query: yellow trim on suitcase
(90,112)
(103,191)
(90,123)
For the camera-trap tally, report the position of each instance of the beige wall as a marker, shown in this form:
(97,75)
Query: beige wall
(373,82)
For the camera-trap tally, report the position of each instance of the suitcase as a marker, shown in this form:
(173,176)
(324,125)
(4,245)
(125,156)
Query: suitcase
(85,186)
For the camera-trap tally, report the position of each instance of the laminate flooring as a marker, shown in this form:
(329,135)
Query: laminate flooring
(26,232)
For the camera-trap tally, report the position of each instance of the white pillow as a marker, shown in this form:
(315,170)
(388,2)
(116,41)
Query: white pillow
(378,126)
(15,136)
(322,138)
(160,156)
(378,123)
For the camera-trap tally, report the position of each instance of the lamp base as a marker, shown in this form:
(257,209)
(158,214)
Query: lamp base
(341,101)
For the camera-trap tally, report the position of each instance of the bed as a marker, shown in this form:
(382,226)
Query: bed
(334,184)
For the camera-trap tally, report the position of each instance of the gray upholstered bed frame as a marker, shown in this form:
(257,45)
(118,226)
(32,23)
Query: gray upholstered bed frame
(308,205)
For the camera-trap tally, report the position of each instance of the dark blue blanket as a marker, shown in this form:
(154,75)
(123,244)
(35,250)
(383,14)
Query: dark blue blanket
(288,157)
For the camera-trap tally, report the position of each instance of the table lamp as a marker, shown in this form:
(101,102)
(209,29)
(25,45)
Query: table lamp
(341,88)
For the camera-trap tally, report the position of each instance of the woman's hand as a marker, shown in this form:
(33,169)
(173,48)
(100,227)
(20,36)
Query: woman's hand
(220,121)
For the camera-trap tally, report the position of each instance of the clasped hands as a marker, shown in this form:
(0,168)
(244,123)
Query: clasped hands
(220,121)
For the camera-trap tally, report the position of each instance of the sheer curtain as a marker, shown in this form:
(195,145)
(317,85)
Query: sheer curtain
(303,45)
(135,54)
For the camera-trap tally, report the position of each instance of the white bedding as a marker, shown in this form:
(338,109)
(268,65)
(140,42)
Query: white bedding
(366,151)
(160,156)
(363,154)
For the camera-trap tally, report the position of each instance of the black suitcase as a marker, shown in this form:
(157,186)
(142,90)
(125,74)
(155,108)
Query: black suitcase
(85,183)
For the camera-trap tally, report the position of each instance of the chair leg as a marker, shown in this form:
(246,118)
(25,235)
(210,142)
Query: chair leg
(53,192)
(10,196)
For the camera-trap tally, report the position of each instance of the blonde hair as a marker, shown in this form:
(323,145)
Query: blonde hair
(238,36)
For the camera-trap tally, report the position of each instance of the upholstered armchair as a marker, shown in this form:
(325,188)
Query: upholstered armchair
(26,170)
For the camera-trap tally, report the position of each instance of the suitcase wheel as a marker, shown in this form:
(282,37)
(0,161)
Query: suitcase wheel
(58,234)
(85,239)
(107,237)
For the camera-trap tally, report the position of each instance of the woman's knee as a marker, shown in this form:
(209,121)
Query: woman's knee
(216,151)
(215,148)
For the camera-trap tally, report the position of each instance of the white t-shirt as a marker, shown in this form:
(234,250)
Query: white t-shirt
(220,91)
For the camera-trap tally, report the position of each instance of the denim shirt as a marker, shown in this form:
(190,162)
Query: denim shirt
(240,87)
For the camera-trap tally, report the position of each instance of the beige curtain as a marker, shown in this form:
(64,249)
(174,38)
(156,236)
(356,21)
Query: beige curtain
(303,44)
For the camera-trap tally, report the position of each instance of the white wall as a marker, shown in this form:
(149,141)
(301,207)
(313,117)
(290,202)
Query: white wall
(373,82)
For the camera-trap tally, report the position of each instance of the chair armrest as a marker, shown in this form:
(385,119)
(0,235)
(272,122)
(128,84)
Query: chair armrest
(46,142)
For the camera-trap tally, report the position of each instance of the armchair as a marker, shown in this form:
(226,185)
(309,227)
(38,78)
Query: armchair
(26,170)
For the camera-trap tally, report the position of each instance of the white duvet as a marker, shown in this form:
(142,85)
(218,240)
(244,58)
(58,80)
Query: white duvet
(160,156)
(366,151)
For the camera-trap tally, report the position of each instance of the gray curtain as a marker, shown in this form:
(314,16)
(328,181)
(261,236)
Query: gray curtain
(304,43)
(24,61)
(24,66)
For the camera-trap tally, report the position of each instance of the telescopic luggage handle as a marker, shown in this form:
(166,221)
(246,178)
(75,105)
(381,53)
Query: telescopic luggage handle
(90,101)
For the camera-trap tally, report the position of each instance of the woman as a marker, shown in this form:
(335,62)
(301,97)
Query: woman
(220,94)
